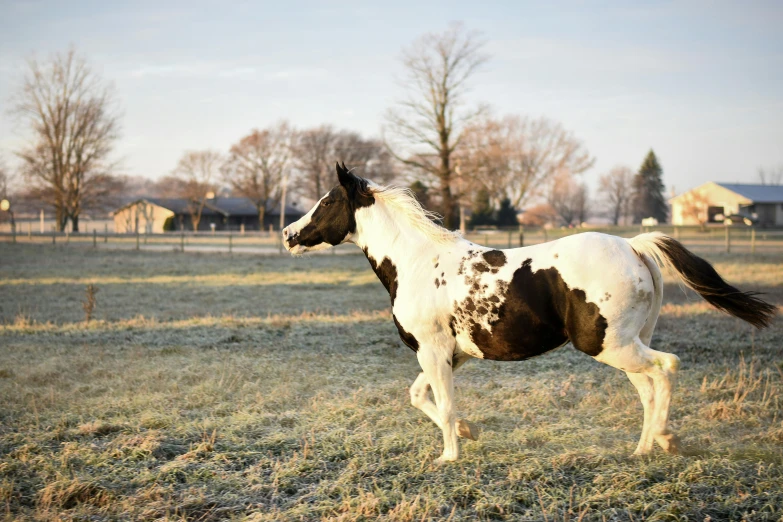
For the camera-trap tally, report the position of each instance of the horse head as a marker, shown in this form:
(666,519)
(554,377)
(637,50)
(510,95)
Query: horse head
(333,218)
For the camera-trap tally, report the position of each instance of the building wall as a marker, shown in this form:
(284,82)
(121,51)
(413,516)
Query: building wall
(142,217)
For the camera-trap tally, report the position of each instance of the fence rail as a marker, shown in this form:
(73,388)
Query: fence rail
(713,239)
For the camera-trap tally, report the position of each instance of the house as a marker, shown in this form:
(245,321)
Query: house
(157,215)
(713,201)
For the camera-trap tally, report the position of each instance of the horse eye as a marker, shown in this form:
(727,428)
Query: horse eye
(327,203)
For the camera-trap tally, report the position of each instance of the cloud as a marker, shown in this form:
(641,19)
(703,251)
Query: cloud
(297,73)
(576,55)
(171,70)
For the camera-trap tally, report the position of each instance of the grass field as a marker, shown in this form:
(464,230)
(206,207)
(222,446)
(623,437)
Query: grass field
(212,387)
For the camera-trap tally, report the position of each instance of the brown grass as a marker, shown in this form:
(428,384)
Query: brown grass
(184,402)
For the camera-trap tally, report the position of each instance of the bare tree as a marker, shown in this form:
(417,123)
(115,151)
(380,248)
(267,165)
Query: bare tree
(616,187)
(771,176)
(568,197)
(5,179)
(520,157)
(368,157)
(73,123)
(198,172)
(695,205)
(312,153)
(315,151)
(539,215)
(424,130)
(257,164)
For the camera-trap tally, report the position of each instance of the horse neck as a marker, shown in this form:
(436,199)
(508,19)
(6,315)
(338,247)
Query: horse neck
(380,233)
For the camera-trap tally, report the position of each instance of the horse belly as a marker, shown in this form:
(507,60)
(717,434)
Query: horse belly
(530,314)
(517,340)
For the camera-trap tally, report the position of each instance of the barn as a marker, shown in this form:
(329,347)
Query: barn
(714,202)
(157,215)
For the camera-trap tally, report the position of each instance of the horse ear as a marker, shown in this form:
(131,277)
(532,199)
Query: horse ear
(346,178)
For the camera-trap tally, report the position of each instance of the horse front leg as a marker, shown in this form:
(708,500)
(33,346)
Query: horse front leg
(420,399)
(435,363)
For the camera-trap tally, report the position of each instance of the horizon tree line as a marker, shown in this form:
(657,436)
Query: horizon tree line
(456,157)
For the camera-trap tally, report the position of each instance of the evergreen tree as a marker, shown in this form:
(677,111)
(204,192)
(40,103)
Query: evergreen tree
(507,215)
(482,210)
(648,189)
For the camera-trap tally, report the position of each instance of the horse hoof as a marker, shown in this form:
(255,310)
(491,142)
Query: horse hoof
(669,442)
(442,461)
(467,430)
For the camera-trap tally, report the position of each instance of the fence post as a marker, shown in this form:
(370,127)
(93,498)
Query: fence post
(242,229)
(676,232)
(182,240)
(728,239)
(137,239)
(67,236)
(229,242)
(509,239)
(753,240)
(94,238)
(521,236)
(29,230)
(105,233)
(280,243)
(546,236)
(13,232)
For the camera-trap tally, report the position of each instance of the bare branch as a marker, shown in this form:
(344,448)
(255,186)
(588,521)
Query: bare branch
(197,172)
(257,164)
(73,122)
(518,157)
(430,120)
(616,187)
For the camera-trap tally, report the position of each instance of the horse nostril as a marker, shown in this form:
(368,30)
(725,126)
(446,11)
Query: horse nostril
(285,232)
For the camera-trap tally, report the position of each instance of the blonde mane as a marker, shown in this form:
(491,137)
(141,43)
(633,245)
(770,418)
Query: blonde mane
(405,205)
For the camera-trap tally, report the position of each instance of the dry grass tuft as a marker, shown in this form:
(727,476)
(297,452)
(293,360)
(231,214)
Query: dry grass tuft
(70,493)
(98,428)
(747,391)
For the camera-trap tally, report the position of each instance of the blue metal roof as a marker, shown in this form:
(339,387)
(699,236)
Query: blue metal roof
(756,193)
(224,206)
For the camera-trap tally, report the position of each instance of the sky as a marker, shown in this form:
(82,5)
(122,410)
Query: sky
(699,82)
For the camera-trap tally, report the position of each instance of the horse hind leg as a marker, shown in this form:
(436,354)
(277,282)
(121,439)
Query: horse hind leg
(653,373)
(644,386)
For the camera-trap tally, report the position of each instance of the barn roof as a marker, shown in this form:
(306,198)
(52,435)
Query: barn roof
(217,206)
(756,193)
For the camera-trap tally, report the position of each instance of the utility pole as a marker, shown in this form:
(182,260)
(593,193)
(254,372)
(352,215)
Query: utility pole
(282,203)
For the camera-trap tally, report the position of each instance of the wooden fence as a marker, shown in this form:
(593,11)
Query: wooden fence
(710,240)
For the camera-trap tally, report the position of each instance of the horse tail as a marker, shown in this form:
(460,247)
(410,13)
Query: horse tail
(700,276)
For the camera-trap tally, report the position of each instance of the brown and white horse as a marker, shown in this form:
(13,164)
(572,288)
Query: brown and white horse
(453,300)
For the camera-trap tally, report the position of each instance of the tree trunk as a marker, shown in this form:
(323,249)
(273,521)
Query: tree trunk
(448,204)
(445,185)
(261,211)
(59,218)
(75,222)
